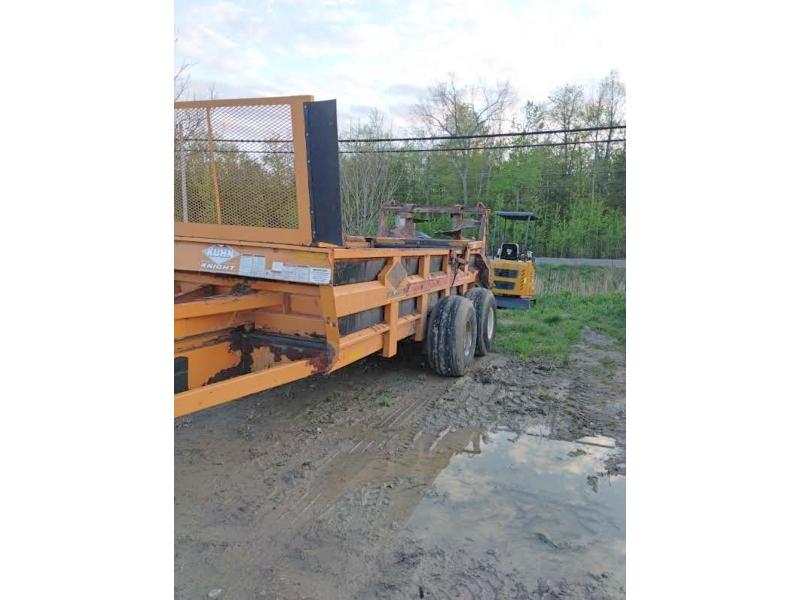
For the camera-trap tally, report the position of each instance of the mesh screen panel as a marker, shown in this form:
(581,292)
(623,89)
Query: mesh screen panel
(193,168)
(254,161)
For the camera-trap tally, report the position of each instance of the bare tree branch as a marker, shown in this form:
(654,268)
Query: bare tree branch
(368,181)
(450,109)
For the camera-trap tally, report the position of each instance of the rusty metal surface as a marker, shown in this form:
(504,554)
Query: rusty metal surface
(406,217)
(281,347)
(276,323)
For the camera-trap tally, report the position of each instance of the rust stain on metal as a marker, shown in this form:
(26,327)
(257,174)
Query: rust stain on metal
(203,341)
(283,347)
(435,284)
(242,289)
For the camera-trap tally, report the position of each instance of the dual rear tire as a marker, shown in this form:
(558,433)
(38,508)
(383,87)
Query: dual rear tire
(459,328)
(485,312)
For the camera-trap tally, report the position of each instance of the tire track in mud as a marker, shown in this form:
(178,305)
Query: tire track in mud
(411,572)
(389,431)
(301,493)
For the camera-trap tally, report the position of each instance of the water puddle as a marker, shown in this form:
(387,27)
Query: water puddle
(537,505)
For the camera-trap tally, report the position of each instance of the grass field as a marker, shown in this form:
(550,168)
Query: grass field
(581,279)
(552,326)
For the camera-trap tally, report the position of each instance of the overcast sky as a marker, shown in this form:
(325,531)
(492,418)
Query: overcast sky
(384,54)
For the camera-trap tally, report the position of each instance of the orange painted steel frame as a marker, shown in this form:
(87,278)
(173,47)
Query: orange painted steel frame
(243,321)
(208,309)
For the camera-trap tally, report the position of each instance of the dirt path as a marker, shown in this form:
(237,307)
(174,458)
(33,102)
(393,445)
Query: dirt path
(385,480)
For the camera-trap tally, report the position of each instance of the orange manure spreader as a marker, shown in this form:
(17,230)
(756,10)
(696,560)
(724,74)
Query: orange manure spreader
(268,290)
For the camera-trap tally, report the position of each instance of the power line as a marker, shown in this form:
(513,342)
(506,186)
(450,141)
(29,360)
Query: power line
(504,147)
(436,149)
(487,135)
(425,138)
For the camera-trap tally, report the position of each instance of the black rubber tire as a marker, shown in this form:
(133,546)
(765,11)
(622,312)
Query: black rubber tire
(451,336)
(486,315)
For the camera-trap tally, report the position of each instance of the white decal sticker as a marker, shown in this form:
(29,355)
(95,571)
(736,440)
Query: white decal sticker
(259,266)
(320,275)
(298,274)
(252,266)
(256,266)
(245,265)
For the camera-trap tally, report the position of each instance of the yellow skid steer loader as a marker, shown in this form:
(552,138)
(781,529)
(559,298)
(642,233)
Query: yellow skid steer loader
(513,265)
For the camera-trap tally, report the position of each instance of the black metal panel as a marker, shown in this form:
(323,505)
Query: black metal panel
(360,320)
(181,374)
(436,263)
(322,147)
(403,243)
(407,307)
(357,271)
(411,264)
(504,285)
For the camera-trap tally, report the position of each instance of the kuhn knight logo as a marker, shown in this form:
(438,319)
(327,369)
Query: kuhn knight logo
(219,255)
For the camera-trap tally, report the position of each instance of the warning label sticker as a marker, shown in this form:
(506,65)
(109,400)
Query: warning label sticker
(252,266)
(320,275)
(256,266)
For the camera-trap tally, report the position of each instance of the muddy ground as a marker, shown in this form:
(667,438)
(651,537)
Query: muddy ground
(384,480)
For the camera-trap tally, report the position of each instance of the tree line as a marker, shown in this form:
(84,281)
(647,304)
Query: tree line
(577,190)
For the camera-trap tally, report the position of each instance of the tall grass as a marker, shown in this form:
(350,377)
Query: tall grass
(580,279)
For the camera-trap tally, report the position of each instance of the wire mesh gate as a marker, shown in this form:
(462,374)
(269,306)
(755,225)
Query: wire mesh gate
(242,164)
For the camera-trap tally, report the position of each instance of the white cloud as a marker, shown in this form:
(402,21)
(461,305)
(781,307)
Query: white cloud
(383,54)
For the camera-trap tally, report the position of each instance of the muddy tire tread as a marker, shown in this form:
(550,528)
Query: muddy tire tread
(483,301)
(445,336)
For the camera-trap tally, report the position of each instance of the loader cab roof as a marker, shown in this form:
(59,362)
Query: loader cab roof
(509,241)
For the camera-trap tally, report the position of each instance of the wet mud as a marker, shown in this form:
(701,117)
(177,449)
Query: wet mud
(384,480)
